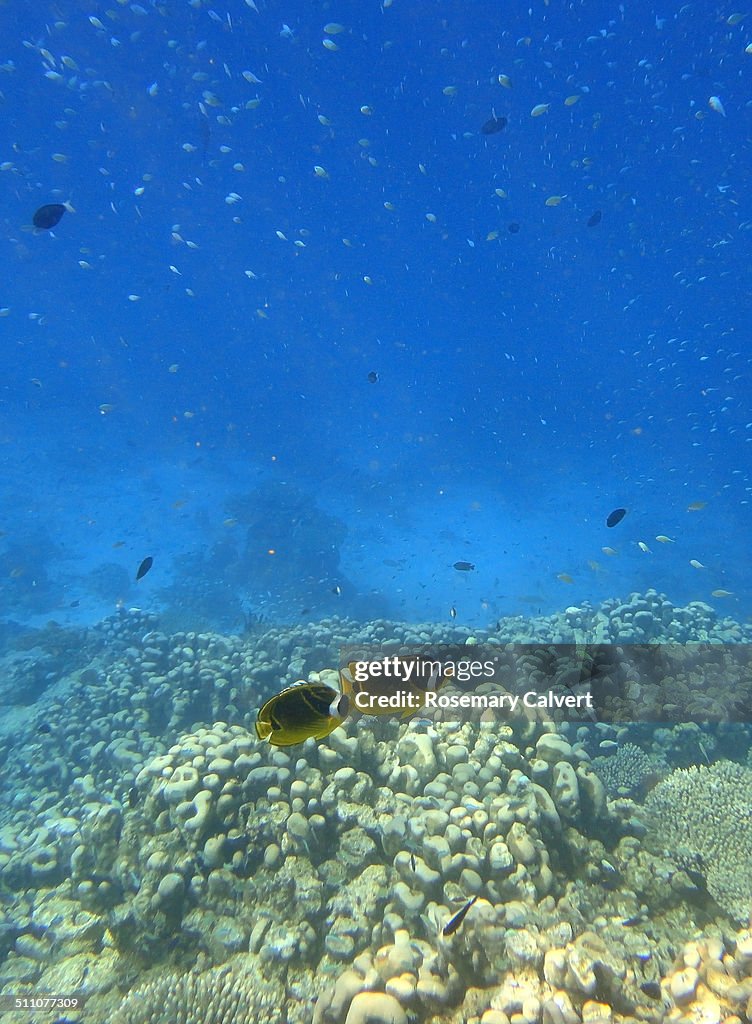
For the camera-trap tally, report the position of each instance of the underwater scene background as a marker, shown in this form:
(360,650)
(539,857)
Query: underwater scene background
(347,324)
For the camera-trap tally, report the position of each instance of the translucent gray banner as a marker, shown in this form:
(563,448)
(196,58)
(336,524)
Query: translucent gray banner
(700,682)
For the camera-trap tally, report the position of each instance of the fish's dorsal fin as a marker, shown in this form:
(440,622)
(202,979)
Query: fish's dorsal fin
(347,679)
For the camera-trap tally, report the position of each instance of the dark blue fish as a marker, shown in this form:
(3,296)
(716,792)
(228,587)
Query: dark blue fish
(616,516)
(147,563)
(454,922)
(493,125)
(652,989)
(48,216)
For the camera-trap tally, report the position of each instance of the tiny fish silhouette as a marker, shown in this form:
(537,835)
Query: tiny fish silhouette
(464,566)
(147,563)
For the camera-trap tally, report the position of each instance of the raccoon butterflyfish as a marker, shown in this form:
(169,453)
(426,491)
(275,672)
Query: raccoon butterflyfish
(390,686)
(300,712)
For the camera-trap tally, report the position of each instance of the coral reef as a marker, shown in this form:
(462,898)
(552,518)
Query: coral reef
(157,857)
(280,517)
(711,980)
(649,617)
(224,995)
(279,539)
(702,814)
(629,770)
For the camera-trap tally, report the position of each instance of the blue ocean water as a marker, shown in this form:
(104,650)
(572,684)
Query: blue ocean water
(259,221)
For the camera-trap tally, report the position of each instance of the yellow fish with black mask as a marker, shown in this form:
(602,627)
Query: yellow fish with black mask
(301,712)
